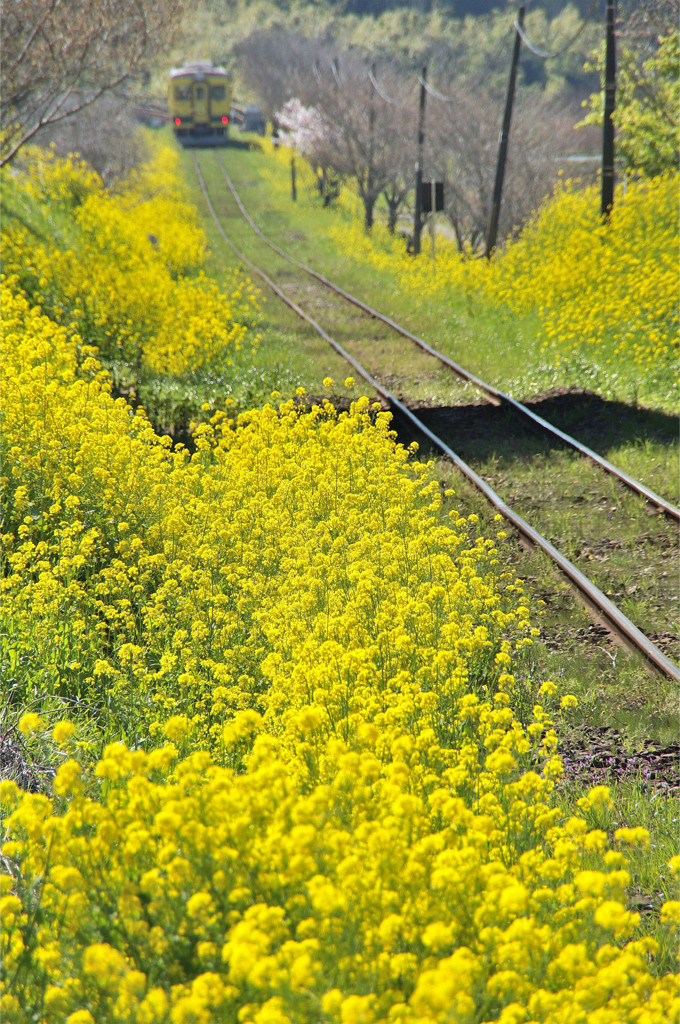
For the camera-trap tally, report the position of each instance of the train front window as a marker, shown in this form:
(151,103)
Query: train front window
(182,92)
(218,92)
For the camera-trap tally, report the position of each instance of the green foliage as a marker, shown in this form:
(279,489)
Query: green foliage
(470,41)
(647,103)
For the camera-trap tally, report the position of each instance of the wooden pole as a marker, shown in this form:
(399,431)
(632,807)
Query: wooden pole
(417,218)
(503,140)
(609,107)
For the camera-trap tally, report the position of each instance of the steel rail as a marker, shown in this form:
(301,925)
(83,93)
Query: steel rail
(494,394)
(597,602)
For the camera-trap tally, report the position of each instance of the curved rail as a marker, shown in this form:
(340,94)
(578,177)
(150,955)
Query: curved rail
(494,394)
(595,600)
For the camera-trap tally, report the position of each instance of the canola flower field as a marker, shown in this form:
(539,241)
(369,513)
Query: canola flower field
(129,273)
(605,294)
(301,773)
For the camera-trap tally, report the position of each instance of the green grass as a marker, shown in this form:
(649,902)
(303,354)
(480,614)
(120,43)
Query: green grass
(651,882)
(49,224)
(571,502)
(502,348)
(301,229)
(613,687)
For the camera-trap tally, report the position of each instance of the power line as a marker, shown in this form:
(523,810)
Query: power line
(437,95)
(563,49)
(432,91)
(383,96)
(491,65)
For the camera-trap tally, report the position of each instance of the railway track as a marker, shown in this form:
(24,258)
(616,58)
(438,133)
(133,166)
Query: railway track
(599,605)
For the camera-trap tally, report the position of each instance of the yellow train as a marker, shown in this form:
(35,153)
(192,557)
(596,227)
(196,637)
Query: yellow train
(199,98)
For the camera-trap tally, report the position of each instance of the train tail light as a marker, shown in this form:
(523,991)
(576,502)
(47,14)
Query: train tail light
(225,119)
(178,120)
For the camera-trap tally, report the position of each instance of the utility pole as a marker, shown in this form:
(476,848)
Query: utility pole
(417,218)
(371,112)
(609,107)
(433,208)
(503,139)
(370,174)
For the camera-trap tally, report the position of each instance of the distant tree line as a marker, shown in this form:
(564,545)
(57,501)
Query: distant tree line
(69,65)
(455,8)
(353,113)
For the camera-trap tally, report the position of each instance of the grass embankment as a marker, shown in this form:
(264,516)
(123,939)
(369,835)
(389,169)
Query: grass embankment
(303,771)
(482,315)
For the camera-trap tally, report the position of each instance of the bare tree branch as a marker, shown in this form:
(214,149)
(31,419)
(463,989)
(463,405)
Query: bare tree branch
(59,58)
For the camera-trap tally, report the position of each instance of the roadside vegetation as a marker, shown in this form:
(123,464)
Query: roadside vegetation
(124,268)
(601,293)
(291,730)
(277,746)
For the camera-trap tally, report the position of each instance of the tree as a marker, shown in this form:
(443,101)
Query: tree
(342,125)
(305,130)
(369,136)
(104,134)
(463,147)
(61,56)
(647,88)
(364,137)
(395,106)
(399,184)
(276,66)
(647,109)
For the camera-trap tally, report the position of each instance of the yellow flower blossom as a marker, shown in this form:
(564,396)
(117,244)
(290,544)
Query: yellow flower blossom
(63,731)
(670,912)
(30,722)
(632,836)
